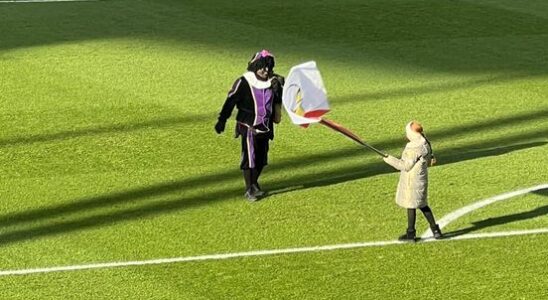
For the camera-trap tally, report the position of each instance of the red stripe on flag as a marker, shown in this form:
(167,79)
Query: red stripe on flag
(316,113)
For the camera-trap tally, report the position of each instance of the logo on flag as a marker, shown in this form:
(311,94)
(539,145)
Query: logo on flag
(304,95)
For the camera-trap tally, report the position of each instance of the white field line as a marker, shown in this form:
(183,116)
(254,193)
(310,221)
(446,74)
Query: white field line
(197,258)
(445,220)
(255,253)
(479,204)
(43,1)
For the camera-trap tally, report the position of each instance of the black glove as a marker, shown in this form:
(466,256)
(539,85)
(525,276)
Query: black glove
(220,126)
(277,82)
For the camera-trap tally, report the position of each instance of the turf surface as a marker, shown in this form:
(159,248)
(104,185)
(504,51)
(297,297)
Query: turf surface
(108,151)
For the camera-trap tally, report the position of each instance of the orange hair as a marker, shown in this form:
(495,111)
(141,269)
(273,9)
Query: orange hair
(416,127)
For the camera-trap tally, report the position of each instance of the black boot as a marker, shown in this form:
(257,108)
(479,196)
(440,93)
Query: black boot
(437,232)
(249,191)
(409,236)
(257,190)
(250,195)
(255,173)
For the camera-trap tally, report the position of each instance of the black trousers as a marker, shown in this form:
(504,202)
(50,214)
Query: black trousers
(254,149)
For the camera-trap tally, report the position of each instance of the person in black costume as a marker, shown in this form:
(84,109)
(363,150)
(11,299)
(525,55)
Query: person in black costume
(257,95)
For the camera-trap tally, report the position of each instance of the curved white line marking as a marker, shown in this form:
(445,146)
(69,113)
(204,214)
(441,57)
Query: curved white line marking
(254,253)
(446,220)
(482,203)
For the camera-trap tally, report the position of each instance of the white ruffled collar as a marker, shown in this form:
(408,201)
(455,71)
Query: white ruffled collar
(256,83)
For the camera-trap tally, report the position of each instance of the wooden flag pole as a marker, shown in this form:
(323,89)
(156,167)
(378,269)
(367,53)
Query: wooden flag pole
(351,135)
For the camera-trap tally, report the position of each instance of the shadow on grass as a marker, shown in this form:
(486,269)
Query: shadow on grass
(543,192)
(456,155)
(194,118)
(445,35)
(491,222)
(471,151)
(406,92)
(143,206)
(110,129)
(367,170)
(211,117)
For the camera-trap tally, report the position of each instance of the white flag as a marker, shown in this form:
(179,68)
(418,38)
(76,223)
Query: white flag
(304,95)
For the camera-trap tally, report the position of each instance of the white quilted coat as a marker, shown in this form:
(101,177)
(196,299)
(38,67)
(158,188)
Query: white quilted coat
(412,189)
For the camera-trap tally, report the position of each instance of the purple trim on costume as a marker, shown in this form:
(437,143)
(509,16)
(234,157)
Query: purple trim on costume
(263,105)
(250,149)
(234,88)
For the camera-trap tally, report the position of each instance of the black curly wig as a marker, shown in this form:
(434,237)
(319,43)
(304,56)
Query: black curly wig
(260,60)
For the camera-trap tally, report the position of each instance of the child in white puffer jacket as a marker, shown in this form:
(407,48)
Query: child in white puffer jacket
(412,189)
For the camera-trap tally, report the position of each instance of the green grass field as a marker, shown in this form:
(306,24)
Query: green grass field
(108,152)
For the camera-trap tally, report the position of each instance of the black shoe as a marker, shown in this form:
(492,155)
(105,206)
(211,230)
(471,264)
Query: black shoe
(257,191)
(437,232)
(409,236)
(250,195)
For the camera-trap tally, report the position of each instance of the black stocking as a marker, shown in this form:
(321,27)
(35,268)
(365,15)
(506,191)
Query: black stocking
(411,217)
(429,216)
(248,178)
(256,174)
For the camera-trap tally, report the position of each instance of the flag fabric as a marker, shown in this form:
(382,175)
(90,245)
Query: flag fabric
(304,95)
(305,100)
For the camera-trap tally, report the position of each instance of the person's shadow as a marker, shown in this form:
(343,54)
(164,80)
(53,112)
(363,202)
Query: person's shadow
(478,225)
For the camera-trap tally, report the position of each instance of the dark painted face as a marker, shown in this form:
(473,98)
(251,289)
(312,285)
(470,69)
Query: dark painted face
(262,74)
